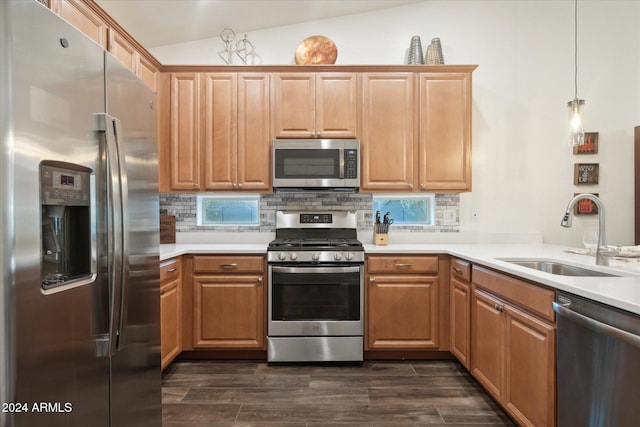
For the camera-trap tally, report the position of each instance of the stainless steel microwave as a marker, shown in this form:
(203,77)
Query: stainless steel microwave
(316,164)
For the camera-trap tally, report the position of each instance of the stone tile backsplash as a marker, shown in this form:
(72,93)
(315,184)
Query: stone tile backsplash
(183,207)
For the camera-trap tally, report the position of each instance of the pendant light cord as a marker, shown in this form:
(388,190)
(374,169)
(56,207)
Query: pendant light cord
(575,49)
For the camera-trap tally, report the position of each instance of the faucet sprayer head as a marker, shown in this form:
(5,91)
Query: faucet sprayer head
(566,219)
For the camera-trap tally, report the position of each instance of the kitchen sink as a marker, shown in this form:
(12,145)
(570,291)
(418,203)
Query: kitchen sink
(559,268)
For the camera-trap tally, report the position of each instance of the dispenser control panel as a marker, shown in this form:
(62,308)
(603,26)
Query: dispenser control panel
(61,186)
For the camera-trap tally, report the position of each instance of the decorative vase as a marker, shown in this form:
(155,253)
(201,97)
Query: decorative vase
(415,51)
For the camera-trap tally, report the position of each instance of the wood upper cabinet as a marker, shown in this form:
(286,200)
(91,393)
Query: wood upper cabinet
(402,303)
(416,131)
(170,310)
(220,131)
(254,130)
(388,141)
(229,302)
(94,23)
(445,132)
(81,16)
(219,114)
(185,131)
(315,105)
(124,51)
(513,345)
(130,57)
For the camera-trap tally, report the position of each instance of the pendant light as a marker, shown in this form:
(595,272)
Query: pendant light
(576,106)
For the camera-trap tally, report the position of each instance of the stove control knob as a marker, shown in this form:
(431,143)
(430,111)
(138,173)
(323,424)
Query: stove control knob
(337,256)
(349,256)
(293,256)
(315,256)
(282,256)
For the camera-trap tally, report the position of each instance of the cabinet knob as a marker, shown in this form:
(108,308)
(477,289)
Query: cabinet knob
(172,270)
(196,186)
(410,186)
(423,187)
(372,279)
(499,308)
(239,186)
(259,279)
(457,270)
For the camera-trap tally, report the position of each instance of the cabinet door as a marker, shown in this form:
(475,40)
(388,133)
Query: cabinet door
(388,141)
(254,141)
(336,105)
(529,392)
(402,312)
(148,72)
(445,132)
(293,105)
(123,51)
(185,131)
(220,112)
(228,312)
(487,342)
(460,321)
(170,322)
(83,18)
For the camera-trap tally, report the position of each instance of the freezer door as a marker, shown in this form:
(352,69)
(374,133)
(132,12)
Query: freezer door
(52,366)
(135,365)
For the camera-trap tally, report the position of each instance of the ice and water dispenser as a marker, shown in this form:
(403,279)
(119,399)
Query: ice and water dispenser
(65,200)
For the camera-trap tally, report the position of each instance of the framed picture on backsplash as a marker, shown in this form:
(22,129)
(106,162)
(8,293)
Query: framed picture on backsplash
(585,206)
(590,145)
(585,173)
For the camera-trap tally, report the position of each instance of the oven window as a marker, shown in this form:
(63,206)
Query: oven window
(307,164)
(315,296)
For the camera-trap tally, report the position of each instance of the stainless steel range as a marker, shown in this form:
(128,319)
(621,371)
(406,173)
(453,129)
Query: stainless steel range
(316,270)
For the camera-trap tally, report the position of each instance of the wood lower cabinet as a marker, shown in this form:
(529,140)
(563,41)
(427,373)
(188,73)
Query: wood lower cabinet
(170,310)
(460,300)
(404,303)
(228,307)
(315,105)
(513,345)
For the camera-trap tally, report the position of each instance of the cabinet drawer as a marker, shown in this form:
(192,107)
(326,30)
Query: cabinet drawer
(402,264)
(170,270)
(461,269)
(228,264)
(532,297)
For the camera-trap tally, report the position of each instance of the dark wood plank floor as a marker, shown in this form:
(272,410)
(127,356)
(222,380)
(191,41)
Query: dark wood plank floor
(431,393)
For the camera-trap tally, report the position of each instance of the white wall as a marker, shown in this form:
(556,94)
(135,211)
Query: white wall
(522,166)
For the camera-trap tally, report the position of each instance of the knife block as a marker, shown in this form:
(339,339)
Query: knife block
(380,238)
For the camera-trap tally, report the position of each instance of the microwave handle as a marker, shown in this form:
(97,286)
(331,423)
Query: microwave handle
(341,167)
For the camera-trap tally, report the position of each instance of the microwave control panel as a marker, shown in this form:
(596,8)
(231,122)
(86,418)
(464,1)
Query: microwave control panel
(351,164)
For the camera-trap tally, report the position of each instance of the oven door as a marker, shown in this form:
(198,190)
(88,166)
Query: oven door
(315,300)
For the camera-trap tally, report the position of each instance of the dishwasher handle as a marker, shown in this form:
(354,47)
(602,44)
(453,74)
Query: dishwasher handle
(597,326)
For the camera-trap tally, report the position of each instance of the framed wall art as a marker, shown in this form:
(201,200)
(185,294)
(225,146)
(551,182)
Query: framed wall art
(590,145)
(585,173)
(585,206)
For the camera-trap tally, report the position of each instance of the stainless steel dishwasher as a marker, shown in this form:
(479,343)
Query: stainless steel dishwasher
(598,364)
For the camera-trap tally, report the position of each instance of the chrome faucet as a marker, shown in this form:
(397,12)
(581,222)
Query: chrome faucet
(566,222)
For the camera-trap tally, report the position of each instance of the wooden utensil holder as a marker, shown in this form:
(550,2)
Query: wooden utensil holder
(380,238)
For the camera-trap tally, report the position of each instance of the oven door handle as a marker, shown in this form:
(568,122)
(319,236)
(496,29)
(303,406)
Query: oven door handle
(315,269)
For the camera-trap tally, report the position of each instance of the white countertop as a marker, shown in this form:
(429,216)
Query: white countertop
(621,292)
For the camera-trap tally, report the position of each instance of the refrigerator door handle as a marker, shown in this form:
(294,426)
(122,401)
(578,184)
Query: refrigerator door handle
(124,234)
(107,124)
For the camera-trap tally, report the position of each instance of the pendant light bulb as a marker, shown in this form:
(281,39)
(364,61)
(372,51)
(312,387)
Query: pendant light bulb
(576,120)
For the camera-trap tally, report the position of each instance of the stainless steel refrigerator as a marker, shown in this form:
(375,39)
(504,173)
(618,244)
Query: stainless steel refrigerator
(79,297)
